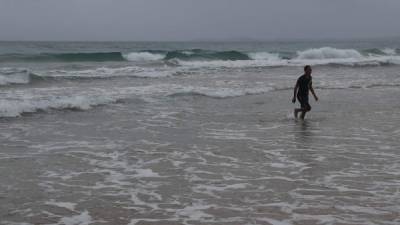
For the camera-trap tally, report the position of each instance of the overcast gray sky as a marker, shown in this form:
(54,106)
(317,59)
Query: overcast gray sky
(140,20)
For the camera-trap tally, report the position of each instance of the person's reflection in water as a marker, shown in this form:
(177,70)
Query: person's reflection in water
(305,151)
(303,134)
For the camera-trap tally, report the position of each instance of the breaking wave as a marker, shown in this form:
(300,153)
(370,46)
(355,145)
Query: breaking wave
(143,56)
(230,58)
(315,56)
(329,53)
(14,108)
(20,102)
(9,76)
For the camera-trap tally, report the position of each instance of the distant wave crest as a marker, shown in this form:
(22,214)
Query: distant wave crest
(9,75)
(143,56)
(229,58)
(329,53)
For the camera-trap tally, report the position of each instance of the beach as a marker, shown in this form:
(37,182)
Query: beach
(198,133)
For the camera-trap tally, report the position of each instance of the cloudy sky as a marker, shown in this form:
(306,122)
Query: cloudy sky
(140,20)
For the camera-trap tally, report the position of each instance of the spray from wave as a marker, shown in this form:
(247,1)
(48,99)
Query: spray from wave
(143,56)
(329,53)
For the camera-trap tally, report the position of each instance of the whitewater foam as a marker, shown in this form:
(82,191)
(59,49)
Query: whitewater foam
(15,79)
(67,205)
(9,75)
(105,72)
(14,108)
(82,219)
(329,53)
(389,51)
(219,92)
(232,64)
(347,57)
(15,103)
(264,56)
(143,56)
(314,56)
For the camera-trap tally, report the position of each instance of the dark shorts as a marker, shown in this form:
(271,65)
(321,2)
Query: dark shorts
(304,102)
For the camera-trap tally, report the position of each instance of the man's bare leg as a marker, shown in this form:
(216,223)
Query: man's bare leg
(303,114)
(296,112)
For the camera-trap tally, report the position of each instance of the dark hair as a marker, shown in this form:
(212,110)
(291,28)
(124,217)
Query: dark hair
(307,67)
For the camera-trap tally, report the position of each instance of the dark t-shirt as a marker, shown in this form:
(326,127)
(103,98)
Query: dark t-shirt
(304,83)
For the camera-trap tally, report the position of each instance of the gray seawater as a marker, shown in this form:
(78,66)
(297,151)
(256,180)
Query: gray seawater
(198,133)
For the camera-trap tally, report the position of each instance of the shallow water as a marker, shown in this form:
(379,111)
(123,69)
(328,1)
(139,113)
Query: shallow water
(197,160)
(148,143)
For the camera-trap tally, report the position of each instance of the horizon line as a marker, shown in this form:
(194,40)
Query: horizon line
(244,39)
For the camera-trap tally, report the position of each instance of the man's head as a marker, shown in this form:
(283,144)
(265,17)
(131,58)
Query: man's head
(307,70)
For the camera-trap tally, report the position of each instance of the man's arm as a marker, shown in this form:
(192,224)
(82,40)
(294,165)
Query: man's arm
(313,92)
(296,88)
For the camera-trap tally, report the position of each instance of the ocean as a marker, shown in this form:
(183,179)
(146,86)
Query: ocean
(141,133)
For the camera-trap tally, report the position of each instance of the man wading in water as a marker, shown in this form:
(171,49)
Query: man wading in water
(303,84)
